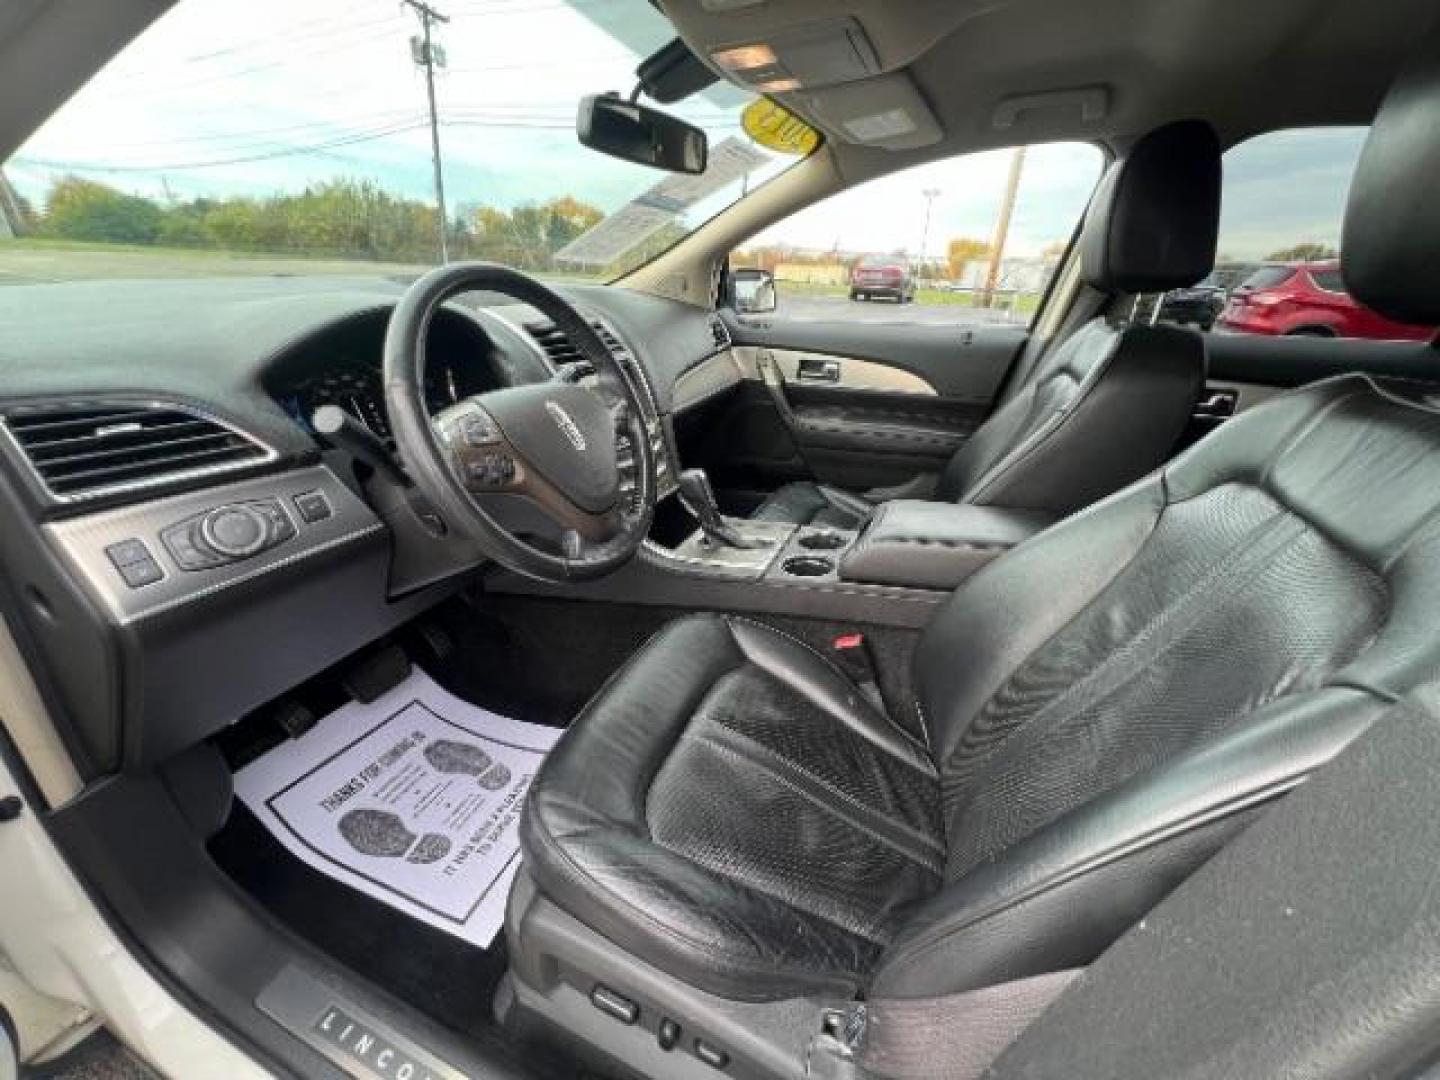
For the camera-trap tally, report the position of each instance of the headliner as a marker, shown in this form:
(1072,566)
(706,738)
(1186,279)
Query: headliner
(1246,66)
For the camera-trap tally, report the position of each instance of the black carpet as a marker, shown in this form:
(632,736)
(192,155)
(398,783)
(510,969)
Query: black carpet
(429,969)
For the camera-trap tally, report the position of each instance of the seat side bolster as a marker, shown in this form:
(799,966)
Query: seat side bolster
(1058,899)
(1124,421)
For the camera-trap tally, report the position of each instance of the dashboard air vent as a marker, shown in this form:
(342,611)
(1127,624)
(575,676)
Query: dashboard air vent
(561,350)
(84,450)
(555,342)
(721,333)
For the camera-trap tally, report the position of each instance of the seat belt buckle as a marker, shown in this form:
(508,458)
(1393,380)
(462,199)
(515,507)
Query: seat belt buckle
(851,653)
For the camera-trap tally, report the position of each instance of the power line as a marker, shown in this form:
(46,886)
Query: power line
(181,166)
(424,51)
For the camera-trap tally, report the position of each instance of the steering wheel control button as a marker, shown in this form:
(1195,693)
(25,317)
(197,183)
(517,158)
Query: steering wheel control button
(312,506)
(614,1004)
(491,470)
(136,566)
(235,531)
(478,429)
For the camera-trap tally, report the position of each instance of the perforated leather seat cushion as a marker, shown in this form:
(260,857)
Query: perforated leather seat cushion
(732,791)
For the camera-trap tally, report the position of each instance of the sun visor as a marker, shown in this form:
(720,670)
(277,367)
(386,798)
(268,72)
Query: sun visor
(886,111)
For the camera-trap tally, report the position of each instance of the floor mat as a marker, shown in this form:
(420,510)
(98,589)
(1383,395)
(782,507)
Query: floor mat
(413,800)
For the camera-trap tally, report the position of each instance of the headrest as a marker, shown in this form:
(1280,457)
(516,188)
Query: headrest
(1153,221)
(1391,239)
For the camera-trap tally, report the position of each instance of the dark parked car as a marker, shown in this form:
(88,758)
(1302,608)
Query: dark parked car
(1308,299)
(882,275)
(1200,304)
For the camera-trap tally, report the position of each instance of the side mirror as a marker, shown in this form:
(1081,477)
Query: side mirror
(753,291)
(610,124)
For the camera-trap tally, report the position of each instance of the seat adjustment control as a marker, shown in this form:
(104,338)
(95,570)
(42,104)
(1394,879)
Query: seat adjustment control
(615,1004)
(711,1054)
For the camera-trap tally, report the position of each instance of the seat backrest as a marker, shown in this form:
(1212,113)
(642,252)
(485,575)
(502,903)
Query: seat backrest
(1052,444)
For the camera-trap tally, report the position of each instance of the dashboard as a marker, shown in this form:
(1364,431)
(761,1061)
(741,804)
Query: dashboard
(182,548)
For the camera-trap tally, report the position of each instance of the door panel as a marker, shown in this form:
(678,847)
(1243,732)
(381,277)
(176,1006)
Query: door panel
(857,405)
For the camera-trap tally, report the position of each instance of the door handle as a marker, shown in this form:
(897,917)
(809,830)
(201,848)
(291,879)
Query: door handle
(815,369)
(775,385)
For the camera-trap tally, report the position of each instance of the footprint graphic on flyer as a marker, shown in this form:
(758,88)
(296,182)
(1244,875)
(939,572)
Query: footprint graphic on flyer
(448,756)
(383,835)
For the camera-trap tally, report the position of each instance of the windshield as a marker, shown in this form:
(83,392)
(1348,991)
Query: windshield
(272,137)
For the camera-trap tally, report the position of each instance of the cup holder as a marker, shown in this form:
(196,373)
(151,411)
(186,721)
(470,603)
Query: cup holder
(808,566)
(822,541)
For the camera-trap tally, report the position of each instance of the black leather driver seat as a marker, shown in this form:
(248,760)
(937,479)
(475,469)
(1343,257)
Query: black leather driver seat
(1104,406)
(1102,708)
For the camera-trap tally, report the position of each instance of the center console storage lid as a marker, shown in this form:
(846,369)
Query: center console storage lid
(935,545)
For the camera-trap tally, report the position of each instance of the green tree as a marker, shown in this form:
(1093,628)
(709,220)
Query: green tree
(78,209)
(1310,251)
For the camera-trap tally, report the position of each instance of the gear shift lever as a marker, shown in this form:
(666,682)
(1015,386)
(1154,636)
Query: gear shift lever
(699,498)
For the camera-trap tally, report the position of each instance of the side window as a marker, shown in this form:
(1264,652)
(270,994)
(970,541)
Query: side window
(971,240)
(1277,270)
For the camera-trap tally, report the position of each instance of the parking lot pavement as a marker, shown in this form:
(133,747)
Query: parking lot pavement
(887,311)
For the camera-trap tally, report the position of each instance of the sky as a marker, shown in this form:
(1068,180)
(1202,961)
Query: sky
(266,96)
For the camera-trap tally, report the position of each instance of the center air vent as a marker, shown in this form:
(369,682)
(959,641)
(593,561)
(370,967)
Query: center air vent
(85,450)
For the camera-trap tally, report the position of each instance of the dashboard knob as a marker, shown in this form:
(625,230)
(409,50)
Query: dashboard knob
(234,531)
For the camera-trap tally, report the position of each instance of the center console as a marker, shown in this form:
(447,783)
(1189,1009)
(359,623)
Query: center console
(893,571)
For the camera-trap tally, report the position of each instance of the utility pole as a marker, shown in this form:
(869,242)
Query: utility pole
(1002,226)
(430,56)
(931,194)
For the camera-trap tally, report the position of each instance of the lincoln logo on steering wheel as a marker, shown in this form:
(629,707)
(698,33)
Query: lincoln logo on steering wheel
(565,424)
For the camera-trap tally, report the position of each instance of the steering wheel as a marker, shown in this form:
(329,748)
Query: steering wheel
(554,480)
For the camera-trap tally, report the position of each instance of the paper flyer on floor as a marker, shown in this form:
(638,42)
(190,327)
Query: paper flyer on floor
(413,799)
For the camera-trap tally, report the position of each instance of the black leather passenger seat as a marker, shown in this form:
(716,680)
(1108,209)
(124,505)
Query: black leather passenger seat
(1106,405)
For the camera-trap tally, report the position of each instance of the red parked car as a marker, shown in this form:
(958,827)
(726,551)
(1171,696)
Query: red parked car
(882,275)
(1307,299)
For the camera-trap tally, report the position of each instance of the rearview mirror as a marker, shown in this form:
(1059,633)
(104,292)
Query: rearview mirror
(752,291)
(631,132)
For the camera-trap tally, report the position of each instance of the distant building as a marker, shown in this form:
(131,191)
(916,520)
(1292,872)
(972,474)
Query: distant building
(1018,273)
(828,273)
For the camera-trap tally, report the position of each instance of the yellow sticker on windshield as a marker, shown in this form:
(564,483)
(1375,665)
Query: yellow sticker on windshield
(777,128)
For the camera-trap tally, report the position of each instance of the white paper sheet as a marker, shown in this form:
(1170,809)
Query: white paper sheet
(414,800)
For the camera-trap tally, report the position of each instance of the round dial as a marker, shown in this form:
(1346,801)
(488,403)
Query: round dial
(235,531)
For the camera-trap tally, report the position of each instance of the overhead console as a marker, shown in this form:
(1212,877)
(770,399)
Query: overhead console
(829,69)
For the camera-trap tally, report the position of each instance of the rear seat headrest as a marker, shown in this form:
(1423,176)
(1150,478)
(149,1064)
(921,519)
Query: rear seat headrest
(1390,247)
(1153,222)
